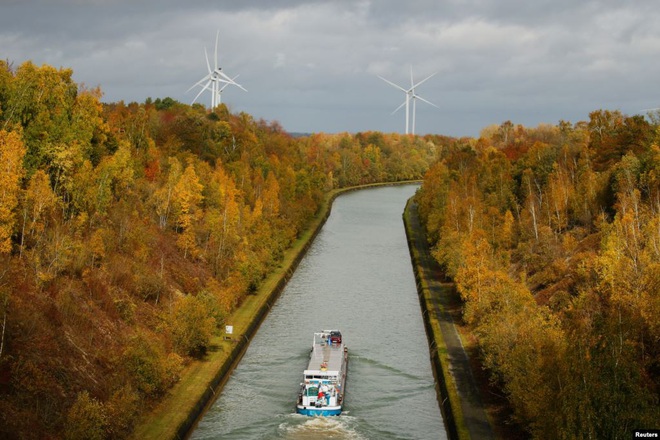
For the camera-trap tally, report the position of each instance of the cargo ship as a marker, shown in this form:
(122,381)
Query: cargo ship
(324,380)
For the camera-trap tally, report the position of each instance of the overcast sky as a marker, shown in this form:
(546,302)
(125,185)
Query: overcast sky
(313,65)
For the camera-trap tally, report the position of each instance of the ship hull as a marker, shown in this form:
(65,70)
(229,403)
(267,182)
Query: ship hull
(314,412)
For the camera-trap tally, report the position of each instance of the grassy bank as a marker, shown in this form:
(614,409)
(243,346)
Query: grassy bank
(177,413)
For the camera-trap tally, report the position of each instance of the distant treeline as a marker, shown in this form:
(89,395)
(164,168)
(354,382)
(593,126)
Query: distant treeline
(128,232)
(552,235)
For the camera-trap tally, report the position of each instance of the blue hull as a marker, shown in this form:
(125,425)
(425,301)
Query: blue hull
(318,412)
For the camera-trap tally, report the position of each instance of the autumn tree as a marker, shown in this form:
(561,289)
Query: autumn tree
(12,152)
(193,325)
(163,196)
(86,419)
(187,197)
(151,370)
(39,202)
(223,220)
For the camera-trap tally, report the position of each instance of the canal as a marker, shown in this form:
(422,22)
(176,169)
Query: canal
(357,277)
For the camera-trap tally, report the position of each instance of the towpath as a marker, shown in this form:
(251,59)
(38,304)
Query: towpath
(472,405)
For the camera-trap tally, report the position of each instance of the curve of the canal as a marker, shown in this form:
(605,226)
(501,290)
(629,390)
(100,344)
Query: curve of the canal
(357,276)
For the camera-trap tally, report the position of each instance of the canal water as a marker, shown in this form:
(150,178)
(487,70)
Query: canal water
(356,277)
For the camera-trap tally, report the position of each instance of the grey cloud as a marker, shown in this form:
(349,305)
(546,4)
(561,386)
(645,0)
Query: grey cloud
(312,65)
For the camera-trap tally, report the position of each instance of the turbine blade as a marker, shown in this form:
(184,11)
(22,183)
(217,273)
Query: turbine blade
(225,77)
(208,65)
(201,91)
(227,83)
(399,107)
(199,83)
(392,84)
(217,35)
(422,99)
(208,83)
(228,80)
(425,79)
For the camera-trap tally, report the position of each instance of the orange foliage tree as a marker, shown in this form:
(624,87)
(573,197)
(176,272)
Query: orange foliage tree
(12,151)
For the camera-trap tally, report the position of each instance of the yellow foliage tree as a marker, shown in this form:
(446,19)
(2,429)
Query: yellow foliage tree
(223,219)
(187,198)
(193,325)
(163,196)
(12,152)
(271,196)
(39,198)
(86,419)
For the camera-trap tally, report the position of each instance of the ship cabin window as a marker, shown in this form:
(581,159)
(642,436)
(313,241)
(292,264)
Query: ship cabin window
(319,377)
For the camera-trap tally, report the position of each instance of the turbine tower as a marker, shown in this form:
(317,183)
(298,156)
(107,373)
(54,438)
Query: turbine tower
(411,95)
(216,80)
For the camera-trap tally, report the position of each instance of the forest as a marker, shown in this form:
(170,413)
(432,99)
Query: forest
(552,237)
(128,232)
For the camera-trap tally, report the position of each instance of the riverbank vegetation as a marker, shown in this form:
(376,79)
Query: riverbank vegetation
(552,237)
(129,232)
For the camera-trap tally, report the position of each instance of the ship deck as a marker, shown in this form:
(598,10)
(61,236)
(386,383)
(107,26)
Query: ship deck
(331,355)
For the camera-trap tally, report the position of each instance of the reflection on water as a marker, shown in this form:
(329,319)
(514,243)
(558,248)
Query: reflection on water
(356,277)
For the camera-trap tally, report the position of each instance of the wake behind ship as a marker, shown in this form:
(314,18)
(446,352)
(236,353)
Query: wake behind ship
(324,380)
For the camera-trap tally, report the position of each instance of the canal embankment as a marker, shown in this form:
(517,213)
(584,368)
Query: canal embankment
(201,381)
(459,393)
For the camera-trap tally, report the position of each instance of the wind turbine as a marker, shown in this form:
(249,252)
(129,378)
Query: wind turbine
(411,95)
(216,80)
